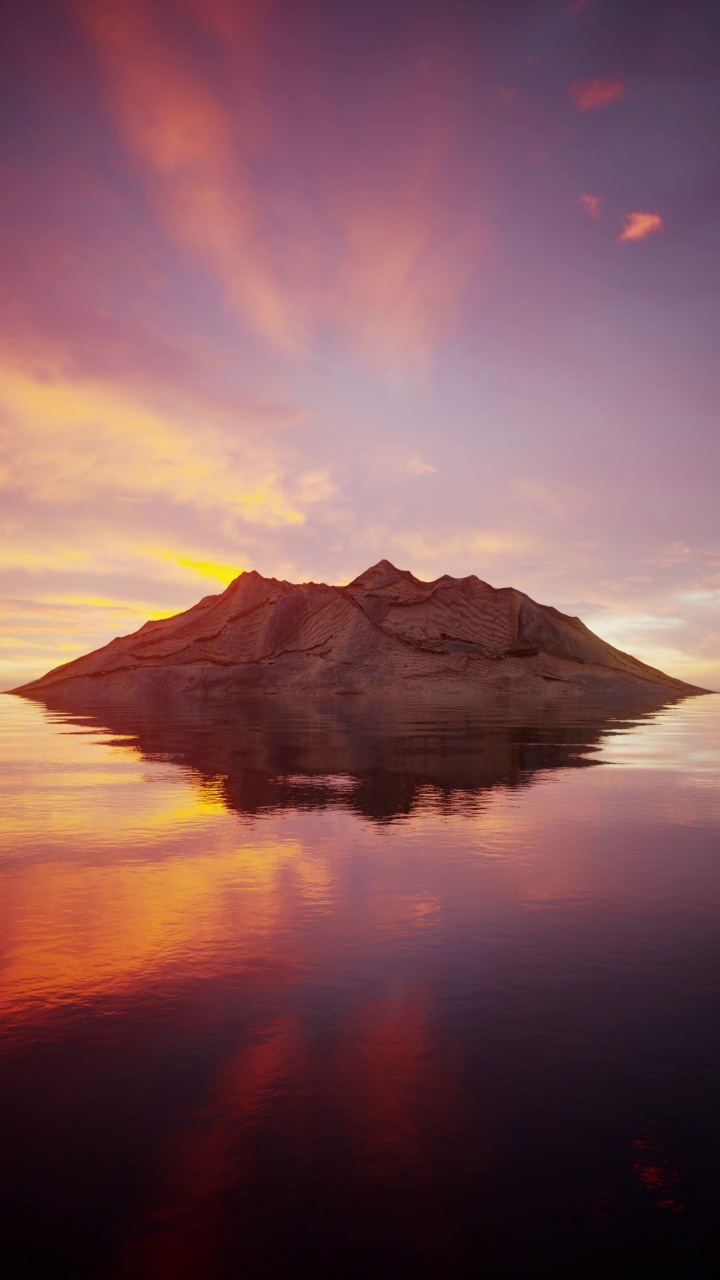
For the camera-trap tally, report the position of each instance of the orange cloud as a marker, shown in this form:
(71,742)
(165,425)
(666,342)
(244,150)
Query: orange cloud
(365,242)
(195,153)
(591,205)
(640,225)
(591,95)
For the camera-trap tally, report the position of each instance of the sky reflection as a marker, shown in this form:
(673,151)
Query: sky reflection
(367,1018)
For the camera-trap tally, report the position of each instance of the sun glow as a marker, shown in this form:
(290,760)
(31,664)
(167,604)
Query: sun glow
(207,569)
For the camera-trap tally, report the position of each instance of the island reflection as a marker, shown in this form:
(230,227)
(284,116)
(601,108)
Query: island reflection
(381,760)
(335,987)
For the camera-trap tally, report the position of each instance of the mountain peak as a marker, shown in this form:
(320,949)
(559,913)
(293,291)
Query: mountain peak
(381,575)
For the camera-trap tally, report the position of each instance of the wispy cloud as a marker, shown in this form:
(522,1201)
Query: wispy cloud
(593,95)
(377,257)
(702,565)
(418,468)
(462,552)
(196,155)
(591,205)
(88,439)
(638,226)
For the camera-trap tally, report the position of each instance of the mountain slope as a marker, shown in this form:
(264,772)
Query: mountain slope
(385,632)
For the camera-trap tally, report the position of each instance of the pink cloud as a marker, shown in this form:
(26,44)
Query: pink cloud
(592,95)
(365,243)
(638,226)
(195,154)
(591,205)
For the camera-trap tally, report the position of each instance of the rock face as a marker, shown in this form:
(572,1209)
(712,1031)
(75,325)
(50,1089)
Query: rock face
(386,632)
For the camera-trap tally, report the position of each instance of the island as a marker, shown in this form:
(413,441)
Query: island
(386,632)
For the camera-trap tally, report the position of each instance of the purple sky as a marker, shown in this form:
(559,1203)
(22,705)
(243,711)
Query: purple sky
(294,286)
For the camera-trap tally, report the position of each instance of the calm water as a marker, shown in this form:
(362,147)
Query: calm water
(359,991)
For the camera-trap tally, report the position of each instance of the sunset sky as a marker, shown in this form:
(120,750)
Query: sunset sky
(295,285)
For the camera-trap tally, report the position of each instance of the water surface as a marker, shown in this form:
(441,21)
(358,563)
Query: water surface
(360,990)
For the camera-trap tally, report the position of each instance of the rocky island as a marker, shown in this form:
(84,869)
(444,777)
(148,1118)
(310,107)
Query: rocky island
(386,632)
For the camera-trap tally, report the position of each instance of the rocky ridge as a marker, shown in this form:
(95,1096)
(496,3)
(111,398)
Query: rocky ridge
(385,632)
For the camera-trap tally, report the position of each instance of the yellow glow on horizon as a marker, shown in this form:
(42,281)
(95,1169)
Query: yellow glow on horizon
(226,573)
(93,437)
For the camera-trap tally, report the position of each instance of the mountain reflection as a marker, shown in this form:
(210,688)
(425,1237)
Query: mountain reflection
(335,988)
(380,760)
